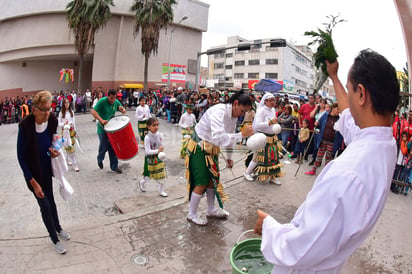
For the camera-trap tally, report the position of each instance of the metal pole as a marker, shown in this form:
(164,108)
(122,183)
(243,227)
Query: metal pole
(197,72)
(168,60)
(170,50)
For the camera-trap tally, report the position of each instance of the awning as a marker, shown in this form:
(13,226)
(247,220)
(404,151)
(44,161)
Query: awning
(132,86)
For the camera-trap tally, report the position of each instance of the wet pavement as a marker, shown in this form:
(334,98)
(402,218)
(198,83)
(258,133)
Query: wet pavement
(152,234)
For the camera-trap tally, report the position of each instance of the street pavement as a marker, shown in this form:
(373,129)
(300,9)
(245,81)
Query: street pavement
(115,228)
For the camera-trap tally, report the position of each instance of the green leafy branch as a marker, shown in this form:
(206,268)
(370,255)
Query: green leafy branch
(323,38)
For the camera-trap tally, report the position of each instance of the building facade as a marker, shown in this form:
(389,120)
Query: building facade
(37,44)
(238,68)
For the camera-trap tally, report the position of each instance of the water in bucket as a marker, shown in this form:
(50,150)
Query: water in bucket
(252,261)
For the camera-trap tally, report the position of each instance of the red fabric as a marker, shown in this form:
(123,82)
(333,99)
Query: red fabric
(304,112)
(404,126)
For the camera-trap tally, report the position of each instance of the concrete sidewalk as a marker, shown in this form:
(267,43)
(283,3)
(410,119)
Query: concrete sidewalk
(153,236)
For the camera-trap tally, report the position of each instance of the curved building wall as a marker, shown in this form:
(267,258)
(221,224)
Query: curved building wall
(37,43)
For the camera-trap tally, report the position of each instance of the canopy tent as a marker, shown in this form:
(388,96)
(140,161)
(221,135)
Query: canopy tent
(132,86)
(268,85)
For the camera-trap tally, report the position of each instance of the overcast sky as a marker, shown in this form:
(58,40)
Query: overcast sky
(370,24)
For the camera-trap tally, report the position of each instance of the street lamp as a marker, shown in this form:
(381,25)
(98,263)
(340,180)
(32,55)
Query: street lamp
(170,49)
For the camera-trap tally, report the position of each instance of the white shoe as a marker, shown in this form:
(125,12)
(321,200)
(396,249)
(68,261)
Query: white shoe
(217,213)
(163,194)
(248,177)
(276,181)
(196,220)
(142,186)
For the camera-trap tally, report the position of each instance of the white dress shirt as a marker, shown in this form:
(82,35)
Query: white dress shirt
(142,113)
(340,211)
(217,126)
(187,120)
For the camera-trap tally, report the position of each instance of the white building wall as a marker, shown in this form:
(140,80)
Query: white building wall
(37,31)
(285,68)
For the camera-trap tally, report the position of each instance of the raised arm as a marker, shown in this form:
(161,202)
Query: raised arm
(341,95)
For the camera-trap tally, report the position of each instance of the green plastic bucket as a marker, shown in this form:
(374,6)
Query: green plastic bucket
(246,257)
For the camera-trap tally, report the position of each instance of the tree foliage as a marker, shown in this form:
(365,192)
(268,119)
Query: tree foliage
(85,18)
(151,16)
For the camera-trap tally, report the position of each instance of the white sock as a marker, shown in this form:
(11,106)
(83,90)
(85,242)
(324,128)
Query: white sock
(194,203)
(160,185)
(73,160)
(146,179)
(251,167)
(210,194)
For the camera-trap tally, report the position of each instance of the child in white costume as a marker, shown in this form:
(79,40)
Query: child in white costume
(142,114)
(187,124)
(67,123)
(153,166)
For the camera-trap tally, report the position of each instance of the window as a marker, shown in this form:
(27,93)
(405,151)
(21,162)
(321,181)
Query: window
(218,65)
(253,75)
(229,55)
(269,48)
(271,75)
(271,61)
(219,55)
(228,79)
(300,71)
(219,76)
(254,62)
(238,76)
(240,63)
(300,83)
(228,67)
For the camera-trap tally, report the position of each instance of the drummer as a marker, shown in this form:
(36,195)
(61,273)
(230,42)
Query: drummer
(103,111)
(142,114)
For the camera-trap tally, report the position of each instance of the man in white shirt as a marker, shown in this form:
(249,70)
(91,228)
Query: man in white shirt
(349,194)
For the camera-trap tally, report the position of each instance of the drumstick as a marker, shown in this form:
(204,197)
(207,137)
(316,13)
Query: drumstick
(224,158)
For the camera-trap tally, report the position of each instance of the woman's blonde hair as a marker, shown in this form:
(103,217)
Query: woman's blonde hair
(42,97)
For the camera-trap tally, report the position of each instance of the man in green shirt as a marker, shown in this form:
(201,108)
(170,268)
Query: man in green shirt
(103,111)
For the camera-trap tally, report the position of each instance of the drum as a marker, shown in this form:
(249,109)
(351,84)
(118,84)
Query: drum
(121,137)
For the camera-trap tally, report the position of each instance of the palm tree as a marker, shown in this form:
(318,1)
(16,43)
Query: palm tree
(85,18)
(151,16)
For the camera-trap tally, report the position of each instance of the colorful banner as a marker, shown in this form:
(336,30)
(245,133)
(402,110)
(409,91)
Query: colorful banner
(288,85)
(177,73)
(252,83)
(66,74)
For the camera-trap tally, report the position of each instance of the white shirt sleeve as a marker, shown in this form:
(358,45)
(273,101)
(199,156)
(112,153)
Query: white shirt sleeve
(323,226)
(346,126)
(220,135)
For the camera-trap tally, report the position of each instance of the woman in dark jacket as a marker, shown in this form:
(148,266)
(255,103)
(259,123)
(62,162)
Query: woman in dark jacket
(34,153)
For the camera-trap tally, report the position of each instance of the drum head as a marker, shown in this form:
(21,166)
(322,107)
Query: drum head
(117,123)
